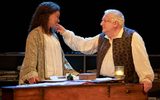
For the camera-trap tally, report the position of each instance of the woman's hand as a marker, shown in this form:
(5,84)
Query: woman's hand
(33,80)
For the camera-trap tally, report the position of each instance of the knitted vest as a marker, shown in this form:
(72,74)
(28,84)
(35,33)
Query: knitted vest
(122,54)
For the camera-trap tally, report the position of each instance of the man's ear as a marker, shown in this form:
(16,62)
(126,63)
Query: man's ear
(115,23)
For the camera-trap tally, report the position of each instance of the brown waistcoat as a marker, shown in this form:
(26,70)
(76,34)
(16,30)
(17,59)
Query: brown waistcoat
(122,54)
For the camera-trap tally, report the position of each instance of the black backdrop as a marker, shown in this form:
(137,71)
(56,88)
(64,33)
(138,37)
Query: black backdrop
(81,16)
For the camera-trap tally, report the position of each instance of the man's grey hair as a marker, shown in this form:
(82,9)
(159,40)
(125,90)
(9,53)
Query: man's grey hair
(116,16)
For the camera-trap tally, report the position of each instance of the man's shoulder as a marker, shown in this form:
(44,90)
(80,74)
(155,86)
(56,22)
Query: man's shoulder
(129,30)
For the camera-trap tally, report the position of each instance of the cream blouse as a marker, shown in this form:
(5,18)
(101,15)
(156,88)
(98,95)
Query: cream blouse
(53,56)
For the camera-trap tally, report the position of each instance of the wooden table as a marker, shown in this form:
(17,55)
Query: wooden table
(91,91)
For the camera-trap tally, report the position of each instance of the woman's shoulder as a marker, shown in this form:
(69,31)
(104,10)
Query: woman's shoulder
(37,29)
(35,32)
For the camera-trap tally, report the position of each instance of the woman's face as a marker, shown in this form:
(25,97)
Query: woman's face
(53,19)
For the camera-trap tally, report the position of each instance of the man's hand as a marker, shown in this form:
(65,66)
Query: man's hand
(60,29)
(147,85)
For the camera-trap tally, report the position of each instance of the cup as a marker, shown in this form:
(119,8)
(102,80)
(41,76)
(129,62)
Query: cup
(119,72)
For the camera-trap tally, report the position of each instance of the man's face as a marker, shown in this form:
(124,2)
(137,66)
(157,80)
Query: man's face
(107,24)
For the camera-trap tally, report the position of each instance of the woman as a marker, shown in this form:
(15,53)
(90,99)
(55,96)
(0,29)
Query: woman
(43,55)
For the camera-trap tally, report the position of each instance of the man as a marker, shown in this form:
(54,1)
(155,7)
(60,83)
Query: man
(116,45)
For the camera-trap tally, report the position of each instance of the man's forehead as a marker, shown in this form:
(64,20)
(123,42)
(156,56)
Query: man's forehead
(107,16)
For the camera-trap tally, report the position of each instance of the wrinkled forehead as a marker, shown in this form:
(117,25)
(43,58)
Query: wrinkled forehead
(107,16)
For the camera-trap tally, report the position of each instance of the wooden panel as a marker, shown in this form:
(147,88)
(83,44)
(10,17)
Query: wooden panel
(127,92)
(28,94)
(22,94)
(28,98)
(77,93)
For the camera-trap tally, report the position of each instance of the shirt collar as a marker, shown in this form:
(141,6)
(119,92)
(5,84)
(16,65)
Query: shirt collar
(118,36)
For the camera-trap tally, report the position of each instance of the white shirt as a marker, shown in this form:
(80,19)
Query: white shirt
(53,56)
(90,46)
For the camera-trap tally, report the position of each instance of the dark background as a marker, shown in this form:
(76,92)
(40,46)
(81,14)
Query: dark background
(81,16)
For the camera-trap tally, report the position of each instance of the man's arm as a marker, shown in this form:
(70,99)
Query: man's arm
(85,45)
(141,62)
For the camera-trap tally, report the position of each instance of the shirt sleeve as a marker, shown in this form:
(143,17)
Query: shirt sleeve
(141,59)
(85,45)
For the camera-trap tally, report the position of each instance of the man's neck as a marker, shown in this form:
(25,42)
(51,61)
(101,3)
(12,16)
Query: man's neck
(114,33)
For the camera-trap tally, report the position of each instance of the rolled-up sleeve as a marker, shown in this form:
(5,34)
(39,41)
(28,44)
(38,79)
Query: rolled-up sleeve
(141,59)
